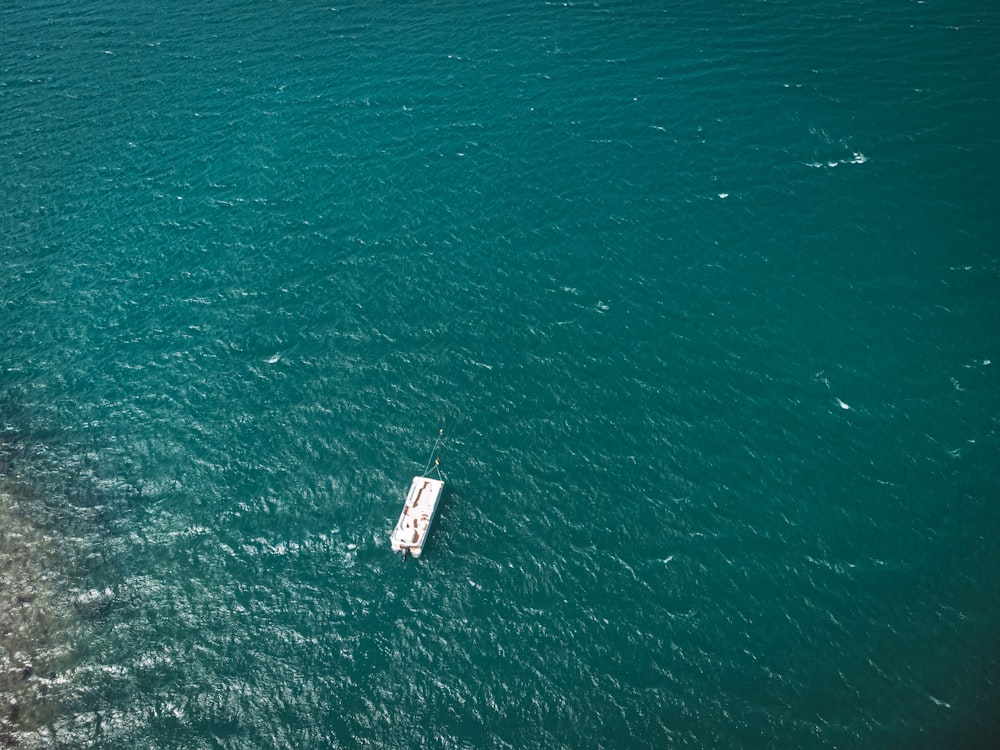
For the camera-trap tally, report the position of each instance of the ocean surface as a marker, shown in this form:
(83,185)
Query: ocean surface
(704,295)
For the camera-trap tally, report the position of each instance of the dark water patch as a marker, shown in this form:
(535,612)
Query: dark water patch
(57,580)
(9,450)
(36,617)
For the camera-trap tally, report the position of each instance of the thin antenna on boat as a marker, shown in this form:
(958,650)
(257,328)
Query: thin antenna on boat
(435,449)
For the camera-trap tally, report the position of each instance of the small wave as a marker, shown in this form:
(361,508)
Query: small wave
(856,158)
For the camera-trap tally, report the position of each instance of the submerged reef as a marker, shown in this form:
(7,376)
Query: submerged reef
(37,614)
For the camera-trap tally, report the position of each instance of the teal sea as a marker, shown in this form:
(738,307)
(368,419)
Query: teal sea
(705,297)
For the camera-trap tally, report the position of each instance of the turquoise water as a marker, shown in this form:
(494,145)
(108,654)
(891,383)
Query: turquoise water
(705,297)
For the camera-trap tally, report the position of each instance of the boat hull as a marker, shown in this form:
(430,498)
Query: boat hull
(411,531)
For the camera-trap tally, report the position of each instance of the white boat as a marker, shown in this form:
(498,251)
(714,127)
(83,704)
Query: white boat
(410,534)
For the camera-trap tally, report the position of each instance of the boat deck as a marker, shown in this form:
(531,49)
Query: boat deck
(410,533)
